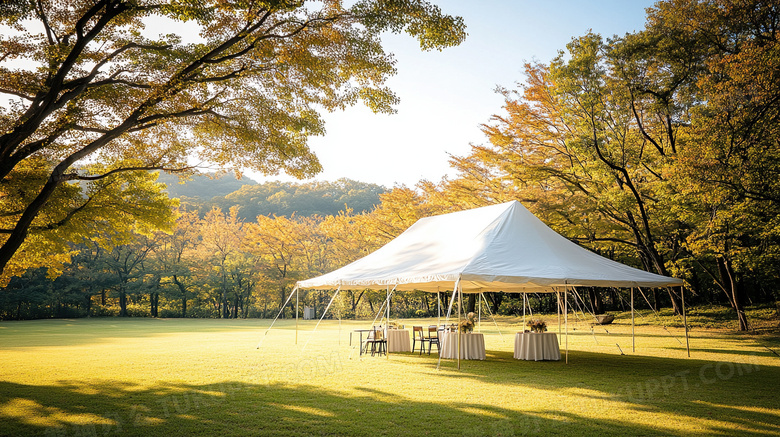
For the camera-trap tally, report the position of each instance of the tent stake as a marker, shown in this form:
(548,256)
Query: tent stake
(685,321)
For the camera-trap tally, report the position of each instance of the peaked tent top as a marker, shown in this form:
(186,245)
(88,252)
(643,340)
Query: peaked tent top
(500,247)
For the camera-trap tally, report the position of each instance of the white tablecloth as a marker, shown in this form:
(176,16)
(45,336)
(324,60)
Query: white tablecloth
(472,346)
(398,340)
(537,346)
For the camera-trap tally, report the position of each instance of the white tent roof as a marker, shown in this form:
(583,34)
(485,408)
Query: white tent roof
(494,248)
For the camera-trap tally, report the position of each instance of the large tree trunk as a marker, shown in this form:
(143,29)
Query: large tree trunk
(472,303)
(283,296)
(154,299)
(595,301)
(613,299)
(183,292)
(224,305)
(495,299)
(122,303)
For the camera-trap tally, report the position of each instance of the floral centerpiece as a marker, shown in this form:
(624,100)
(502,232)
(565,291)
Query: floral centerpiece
(537,325)
(467,324)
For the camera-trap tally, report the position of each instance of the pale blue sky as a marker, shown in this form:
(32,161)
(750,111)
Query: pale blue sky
(446,95)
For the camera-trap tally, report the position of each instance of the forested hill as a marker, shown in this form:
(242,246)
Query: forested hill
(203,187)
(274,198)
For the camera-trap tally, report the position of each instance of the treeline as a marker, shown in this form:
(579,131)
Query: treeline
(217,265)
(213,263)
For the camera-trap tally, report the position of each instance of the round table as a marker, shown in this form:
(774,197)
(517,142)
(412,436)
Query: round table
(472,346)
(398,340)
(537,346)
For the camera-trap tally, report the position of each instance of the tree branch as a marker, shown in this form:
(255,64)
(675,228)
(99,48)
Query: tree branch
(75,176)
(16,93)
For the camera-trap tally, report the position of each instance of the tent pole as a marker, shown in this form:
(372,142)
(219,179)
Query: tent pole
(479,313)
(449,312)
(566,318)
(685,321)
(460,298)
(387,325)
(557,293)
(524,299)
(297,293)
(341,304)
(438,298)
(633,339)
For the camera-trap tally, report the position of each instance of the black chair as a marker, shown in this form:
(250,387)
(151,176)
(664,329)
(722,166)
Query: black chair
(417,335)
(433,338)
(377,341)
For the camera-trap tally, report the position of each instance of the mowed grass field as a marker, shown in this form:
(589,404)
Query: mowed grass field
(187,377)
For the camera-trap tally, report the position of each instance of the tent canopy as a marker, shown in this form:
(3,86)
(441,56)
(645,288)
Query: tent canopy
(494,248)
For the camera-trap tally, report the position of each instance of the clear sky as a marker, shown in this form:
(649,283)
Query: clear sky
(446,95)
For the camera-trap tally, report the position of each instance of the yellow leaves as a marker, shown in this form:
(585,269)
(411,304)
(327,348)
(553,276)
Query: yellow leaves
(107,210)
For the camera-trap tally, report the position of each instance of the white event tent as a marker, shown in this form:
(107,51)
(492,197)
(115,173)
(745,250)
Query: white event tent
(501,247)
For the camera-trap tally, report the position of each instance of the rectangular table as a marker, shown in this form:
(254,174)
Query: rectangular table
(360,331)
(537,346)
(472,346)
(398,340)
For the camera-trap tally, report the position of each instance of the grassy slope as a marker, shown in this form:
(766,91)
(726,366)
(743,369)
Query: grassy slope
(206,377)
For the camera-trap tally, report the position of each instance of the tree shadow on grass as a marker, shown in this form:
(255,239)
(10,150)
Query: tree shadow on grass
(241,409)
(741,393)
(736,393)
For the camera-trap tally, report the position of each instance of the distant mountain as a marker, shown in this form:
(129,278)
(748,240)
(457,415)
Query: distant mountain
(203,188)
(273,198)
(304,199)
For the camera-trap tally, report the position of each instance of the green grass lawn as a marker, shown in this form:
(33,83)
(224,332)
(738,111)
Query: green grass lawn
(206,377)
